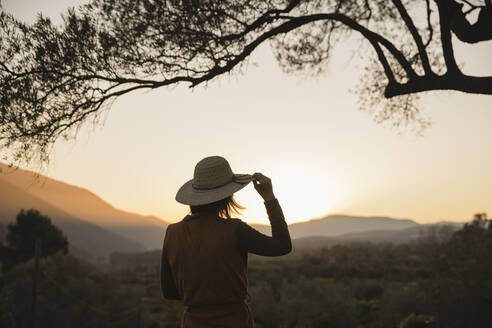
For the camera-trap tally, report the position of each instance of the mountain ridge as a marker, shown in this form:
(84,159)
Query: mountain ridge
(147,232)
(83,203)
(333,225)
(83,235)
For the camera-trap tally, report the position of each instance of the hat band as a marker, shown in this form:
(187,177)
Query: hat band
(233,179)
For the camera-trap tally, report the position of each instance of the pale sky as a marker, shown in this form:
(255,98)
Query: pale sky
(323,155)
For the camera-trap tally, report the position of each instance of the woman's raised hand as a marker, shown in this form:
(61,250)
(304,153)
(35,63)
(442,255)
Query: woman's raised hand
(263,186)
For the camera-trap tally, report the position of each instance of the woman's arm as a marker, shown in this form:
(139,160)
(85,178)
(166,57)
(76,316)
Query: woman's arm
(168,286)
(253,241)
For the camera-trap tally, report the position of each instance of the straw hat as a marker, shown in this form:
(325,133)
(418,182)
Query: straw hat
(213,180)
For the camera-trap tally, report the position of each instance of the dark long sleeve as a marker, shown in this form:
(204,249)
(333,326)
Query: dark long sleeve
(253,241)
(168,286)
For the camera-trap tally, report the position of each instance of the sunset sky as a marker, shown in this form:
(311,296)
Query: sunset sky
(323,154)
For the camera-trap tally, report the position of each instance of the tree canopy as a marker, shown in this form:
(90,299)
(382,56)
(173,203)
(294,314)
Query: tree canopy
(55,78)
(22,234)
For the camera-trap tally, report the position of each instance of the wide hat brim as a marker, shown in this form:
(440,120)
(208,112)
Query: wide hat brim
(190,196)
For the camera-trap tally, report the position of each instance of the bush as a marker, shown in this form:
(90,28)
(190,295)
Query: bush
(415,321)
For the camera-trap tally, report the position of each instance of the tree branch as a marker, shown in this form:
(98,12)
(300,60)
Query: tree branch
(267,17)
(415,34)
(429,23)
(460,82)
(466,32)
(446,41)
(372,37)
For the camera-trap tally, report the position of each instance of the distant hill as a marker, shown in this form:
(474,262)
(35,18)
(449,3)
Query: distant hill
(305,245)
(335,225)
(94,226)
(82,203)
(86,238)
(401,236)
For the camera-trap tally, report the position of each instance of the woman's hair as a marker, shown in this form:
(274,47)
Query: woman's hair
(224,207)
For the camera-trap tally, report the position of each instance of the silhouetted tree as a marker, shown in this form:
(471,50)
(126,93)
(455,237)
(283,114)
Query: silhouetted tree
(460,286)
(21,236)
(54,78)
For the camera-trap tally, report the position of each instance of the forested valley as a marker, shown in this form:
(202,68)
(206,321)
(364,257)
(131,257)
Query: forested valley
(441,279)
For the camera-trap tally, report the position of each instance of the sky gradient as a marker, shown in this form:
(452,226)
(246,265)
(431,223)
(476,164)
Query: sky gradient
(323,154)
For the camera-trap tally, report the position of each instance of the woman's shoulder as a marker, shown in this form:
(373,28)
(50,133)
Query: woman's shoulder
(238,223)
(235,221)
(232,223)
(235,224)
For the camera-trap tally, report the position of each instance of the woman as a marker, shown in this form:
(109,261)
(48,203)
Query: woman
(205,255)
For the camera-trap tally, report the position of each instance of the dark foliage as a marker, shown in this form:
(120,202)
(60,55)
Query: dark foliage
(461,285)
(433,282)
(72,293)
(21,237)
(55,78)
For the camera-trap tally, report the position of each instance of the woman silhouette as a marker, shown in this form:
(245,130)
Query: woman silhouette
(205,255)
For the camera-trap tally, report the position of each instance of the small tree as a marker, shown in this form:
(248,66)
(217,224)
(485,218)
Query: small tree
(21,236)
